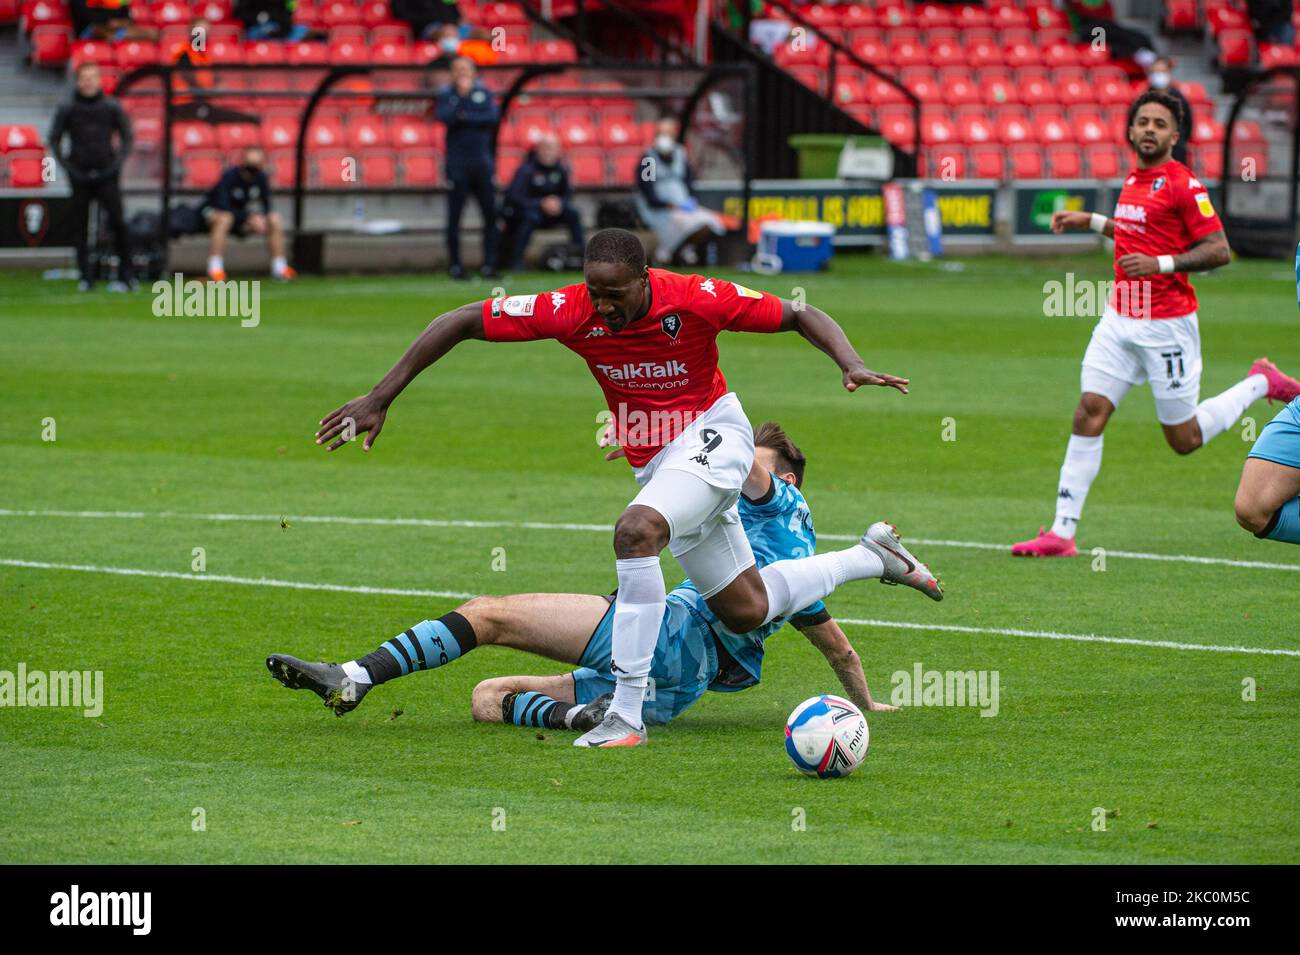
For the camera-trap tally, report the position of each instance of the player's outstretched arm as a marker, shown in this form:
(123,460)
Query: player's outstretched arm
(1078,221)
(826,335)
(839,653)
(1209,252)
(365,414)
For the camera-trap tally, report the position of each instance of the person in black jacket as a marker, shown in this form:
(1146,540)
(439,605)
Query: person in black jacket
(1161,77)
(540,196)
(269,20)
(93,164)
(470,112)
(425,16)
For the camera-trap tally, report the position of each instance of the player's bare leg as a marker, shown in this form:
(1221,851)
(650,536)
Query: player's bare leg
(1218,414)
(220,223)
(544,701)
(1267,502)
(1078,471)
(557,626)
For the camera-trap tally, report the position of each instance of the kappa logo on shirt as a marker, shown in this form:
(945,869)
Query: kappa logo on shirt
(707,286)
(557,300)
(1194,183)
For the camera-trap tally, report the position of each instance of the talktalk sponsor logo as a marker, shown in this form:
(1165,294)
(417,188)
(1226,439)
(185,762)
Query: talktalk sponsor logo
(643,371)
(1130,212)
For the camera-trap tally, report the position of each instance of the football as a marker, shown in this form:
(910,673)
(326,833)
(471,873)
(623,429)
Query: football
(826,736)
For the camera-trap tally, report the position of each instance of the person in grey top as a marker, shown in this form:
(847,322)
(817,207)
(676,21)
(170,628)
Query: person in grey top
(666,198)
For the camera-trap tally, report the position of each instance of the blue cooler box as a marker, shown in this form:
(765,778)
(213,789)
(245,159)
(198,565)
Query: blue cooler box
(798,246)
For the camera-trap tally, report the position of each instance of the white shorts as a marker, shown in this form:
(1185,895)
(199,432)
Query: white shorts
(694,482)
(1132,351)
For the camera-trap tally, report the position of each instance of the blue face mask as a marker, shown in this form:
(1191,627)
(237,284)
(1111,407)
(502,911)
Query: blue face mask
(449,44)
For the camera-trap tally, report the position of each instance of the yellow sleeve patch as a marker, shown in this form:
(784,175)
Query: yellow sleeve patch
(1203,203)
(745,292)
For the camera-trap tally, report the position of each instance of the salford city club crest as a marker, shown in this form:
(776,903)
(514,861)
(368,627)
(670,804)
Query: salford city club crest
(671,324)
(33,221)
(1158,183)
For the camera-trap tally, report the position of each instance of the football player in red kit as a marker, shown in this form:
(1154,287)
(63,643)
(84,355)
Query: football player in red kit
(1164,226)
(649,338)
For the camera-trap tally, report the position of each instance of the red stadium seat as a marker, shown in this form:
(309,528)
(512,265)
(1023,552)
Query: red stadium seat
(937,129)
(410,132)
(1014,129)
(984,52)
(280,130)
(1055,131)
(1061,53)
(531,126)
(1035,92)
(1195,92)
(946,163)
(961,92)
(894,14)
(1112,92)
(1026,161)
(873,51)
(378,167)
(1104,161)
(332,169)
(1075,92)
(348,52)
(588,167)
(987,161)
(907,53)
(200,169)
(325,132)
(44,13)
(1208,161)
(398,33)
(92,51)
(554,51)
(337,13)
(420,167)
(625,165)
(1207,130)
(856,15)
(14,138)
(947,53)
(187,136)
(1064,161)
(1025,53)
(1091,129)
(25,168)
(998,92)
(849,90)
(897,125)
(223,51)
(924,86)
(881,92)
(367,132)
(233,136)
(616,133)
(135,53)
(1235,47)
(501,14)
(375,13)
(266,52)
(930,16)
(975,130)
(214,11)
(577,133)
(280,167)
(1181,16)
(1004,15)
(49,45)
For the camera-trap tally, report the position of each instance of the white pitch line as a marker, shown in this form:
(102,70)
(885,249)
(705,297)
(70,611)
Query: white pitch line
(457,595)
(600,528)
(226,579)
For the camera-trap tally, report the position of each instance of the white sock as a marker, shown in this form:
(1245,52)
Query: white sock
(1218,414)
(1079,470)
(215,263)
(278,265)
(638,612)
(357,673)
(793,585)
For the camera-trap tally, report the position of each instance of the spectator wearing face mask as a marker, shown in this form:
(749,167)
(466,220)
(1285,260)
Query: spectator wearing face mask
(239,204)
(1161,77)
(470,112)
(666,198)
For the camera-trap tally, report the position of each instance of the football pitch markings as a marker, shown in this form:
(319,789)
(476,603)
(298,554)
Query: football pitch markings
(600,528)
(460,595)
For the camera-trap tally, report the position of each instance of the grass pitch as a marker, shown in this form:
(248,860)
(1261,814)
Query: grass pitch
(163,424)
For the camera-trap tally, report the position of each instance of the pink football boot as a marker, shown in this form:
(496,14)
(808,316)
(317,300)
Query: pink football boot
(1280,387)
(1046,544)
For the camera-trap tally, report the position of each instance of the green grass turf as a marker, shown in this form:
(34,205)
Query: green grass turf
(197,415)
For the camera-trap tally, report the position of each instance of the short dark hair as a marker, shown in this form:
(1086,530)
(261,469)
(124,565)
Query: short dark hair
(771,435)
(617,246)
(1162,98)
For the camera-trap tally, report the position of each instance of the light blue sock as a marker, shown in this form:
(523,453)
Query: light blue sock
(1286,523)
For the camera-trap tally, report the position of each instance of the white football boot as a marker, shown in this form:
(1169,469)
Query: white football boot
(901,567)
(613,731)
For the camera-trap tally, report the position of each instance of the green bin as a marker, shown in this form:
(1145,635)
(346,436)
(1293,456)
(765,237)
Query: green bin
(819,154)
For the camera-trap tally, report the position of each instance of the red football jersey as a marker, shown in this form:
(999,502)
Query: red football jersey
(1161,211)
(661,371)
